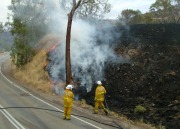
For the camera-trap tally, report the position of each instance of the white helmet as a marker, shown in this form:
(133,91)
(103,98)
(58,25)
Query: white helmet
(69,87)
(99,82)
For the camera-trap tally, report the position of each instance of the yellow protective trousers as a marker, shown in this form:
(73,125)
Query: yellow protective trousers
(67,112)
(99,104)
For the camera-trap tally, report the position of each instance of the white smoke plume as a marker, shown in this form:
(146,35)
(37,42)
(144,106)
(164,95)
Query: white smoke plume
(91,46)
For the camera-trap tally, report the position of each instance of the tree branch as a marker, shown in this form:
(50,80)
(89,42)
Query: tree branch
(77,5)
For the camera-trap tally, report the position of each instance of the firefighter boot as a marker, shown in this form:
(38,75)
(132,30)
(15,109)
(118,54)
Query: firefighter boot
(106,112)
(64,117)
(68,118)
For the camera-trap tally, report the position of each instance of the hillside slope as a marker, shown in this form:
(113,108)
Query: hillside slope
(34,77)
(151,80)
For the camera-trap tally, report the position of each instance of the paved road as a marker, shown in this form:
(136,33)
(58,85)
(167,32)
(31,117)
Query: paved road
(12,95)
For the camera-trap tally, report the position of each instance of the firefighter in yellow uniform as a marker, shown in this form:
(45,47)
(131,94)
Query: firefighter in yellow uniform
(99,97)
(68,102)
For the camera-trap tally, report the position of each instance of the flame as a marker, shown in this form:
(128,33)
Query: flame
(53,47)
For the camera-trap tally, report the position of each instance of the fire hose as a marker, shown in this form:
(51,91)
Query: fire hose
(63,112)
(108,109)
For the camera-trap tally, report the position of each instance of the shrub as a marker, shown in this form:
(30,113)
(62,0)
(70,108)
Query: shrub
(139,109)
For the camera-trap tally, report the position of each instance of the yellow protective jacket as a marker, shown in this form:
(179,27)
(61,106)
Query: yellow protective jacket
(99,94)
(68,98)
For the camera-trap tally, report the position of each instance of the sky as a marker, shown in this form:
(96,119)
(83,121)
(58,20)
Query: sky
(117,7)
(4,9)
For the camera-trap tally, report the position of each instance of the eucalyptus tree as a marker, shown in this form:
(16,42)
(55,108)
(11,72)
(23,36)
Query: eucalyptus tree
(83,8)
(166,11)
(29,19)
(94,9)
(176,11)
(130,16)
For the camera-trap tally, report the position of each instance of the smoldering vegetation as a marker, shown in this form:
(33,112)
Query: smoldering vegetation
(92,43)
(149,79)
(140,73)
(90,50)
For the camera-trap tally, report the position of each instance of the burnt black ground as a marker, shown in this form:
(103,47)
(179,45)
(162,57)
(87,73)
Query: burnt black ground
(150,79)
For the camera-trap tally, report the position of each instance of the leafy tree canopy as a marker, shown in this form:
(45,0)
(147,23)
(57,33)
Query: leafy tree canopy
(166,11)
(130,16)
(88,8)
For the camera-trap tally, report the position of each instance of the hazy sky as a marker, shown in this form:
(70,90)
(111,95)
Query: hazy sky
(4,10)
(117,7)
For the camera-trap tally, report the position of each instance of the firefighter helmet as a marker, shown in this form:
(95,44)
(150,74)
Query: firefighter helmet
(99,82)
(69,87)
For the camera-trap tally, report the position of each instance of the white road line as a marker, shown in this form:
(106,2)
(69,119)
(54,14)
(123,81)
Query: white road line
(47,103)
(11,119)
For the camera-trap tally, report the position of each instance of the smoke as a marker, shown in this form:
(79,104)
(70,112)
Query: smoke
(92,45)
(91,48)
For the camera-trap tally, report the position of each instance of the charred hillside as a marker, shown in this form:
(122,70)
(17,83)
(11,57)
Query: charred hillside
(149,80)
(145,86)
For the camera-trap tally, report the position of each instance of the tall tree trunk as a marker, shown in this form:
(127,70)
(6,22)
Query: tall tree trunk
(69,78)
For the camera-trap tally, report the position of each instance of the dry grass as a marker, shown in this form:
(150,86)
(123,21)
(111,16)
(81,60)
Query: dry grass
(33,73)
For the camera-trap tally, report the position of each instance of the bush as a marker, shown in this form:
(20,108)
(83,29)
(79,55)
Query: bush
(139,109)
(21,53)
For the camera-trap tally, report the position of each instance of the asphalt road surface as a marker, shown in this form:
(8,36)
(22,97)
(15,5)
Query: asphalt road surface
(12,95)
